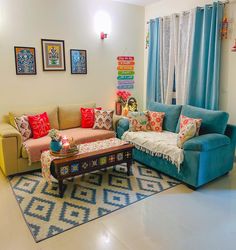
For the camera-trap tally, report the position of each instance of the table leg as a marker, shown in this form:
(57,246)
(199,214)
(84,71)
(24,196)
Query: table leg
(129,165)
(60,183)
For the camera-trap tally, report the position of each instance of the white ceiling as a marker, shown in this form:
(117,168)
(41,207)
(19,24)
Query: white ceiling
(138,2)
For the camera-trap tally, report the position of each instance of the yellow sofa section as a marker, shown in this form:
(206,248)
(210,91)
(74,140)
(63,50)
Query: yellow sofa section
(13,157)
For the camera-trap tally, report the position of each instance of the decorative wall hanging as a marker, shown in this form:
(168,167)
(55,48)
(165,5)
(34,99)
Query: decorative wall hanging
(53,52)
(78,61)
(25,61)
(224,28)
(132,104)
(125,72)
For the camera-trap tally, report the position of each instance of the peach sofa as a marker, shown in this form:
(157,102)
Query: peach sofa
(66,118)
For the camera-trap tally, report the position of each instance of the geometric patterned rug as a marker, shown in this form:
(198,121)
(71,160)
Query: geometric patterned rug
(86,197)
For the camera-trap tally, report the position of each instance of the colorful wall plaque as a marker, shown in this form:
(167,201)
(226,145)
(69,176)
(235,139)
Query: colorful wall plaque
(25,60)
(126,72)
(53,52)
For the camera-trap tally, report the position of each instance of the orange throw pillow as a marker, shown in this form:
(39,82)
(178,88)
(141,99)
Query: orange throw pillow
(156,120)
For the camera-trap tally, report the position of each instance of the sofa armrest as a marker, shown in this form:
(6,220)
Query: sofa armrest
(231,133)
(122,126)
(206,142)
(8,131)
(116,119)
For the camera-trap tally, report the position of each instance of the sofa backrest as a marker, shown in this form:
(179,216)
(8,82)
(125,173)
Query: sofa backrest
(70,115)
(212,121)
(52,112)
(172,113)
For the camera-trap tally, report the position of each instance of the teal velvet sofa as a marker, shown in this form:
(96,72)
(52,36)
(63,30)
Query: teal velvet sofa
(206,157)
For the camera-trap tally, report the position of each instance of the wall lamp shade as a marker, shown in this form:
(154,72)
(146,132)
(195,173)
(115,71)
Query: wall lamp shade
(102,23)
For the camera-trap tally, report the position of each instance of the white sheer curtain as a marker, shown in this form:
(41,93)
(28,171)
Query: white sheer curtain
(183,50)
(175,43)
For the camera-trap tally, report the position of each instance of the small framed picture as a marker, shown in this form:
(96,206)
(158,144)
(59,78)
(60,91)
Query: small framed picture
(53,52)
(25,60)
(78,61)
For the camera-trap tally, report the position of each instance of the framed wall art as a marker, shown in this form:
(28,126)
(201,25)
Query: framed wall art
(25,60)
(78,61)
(53,52)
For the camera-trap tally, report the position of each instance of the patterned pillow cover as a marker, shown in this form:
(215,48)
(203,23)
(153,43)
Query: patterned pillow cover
(87,117)
(39,124)
(103,119)
(138,121)
(187,132)
(22,123)
(156,120)
(184,120)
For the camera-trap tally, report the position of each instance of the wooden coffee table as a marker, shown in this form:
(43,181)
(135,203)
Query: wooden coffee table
(88,162)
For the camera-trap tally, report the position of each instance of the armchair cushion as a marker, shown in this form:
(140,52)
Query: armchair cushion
(206,142)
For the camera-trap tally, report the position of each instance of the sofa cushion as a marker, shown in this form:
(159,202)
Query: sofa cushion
(80,135)
(39,124)
(51,111)
(70,115)
(172,113)
(23,126)
(212,121)
(187,132)
(206,142)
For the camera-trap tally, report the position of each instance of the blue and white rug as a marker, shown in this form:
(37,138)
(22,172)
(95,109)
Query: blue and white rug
(85,198)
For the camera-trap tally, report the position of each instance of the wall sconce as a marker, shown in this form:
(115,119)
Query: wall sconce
(234,47)
(103,35)
(102,23)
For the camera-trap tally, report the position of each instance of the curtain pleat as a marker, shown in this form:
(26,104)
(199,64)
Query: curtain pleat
(204,76)
(153,74)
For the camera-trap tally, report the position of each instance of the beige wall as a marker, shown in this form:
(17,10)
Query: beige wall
(228,70)
(25,22)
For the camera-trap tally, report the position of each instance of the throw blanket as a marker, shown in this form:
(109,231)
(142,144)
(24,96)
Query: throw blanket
(162,144)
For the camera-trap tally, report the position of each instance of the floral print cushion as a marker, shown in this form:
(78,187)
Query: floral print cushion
(103,119)
(138,121)
(39,124)
(184,120)
(156,120)
(187,132)
(23,126)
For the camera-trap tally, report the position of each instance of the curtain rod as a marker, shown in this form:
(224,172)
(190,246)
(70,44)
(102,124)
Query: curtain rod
(210,5)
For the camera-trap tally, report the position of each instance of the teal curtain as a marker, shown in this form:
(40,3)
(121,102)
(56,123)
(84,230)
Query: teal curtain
(153,74)
(204,73)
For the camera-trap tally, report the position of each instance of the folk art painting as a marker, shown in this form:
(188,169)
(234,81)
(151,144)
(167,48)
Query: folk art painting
(78,60)
(53,52)
(25,61)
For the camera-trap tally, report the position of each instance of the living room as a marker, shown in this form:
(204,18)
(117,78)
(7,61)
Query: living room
(114,188)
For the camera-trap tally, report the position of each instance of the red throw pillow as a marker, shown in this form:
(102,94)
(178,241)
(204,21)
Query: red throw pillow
(39,124)
(87,117)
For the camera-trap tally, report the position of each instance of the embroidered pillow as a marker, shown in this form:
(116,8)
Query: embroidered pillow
(184,120)
(87,117)
(156,120)
(138,121)
(39,124)
(22,123)
(187,132)
(103,119)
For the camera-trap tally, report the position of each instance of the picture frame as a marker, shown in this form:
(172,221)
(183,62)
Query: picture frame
(25,60)
(78,61)
(53,54)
